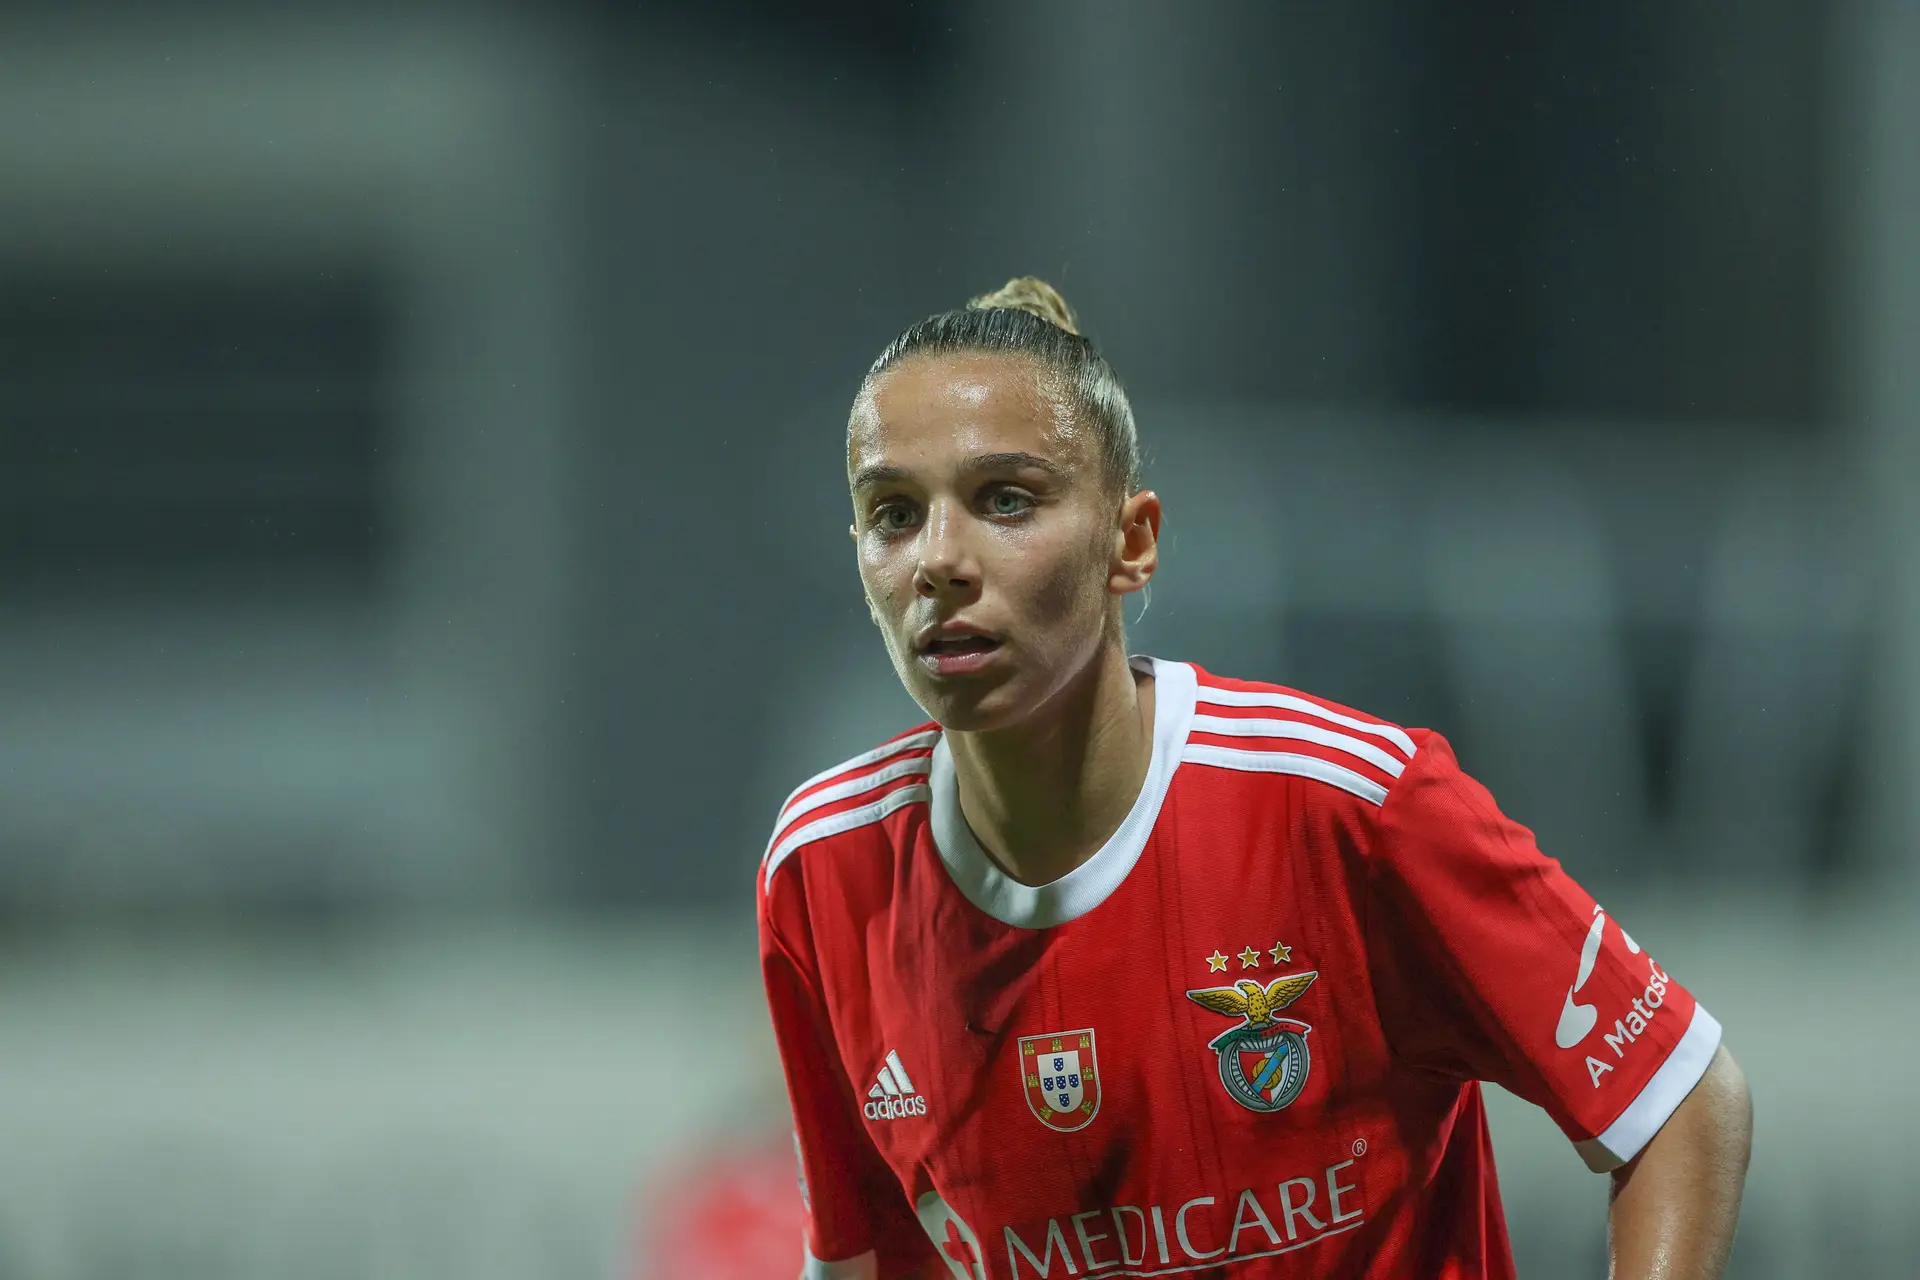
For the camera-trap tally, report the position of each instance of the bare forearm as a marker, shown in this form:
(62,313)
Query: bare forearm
(1675,1205)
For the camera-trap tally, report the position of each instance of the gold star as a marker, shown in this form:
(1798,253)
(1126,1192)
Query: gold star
(1282,953)
(1249,959)
(1216,963)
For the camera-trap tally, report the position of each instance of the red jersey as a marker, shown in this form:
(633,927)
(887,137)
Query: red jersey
(1243,1040)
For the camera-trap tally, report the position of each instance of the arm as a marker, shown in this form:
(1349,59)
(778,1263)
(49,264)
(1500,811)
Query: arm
(1674,1206)
(859,1224)
(1489,961)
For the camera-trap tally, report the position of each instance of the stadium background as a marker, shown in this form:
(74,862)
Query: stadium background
(423,569)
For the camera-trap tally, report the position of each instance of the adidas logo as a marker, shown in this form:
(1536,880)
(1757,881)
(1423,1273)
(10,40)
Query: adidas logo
(892,1096)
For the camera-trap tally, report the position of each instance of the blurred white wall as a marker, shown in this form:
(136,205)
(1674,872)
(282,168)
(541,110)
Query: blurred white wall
(505,1100)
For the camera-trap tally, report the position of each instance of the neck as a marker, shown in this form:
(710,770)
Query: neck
(1044,795)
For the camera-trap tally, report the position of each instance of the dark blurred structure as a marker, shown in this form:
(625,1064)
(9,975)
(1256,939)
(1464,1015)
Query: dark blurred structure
(421,487)
(456,399)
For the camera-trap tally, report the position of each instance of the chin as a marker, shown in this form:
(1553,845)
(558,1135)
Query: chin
(970,707)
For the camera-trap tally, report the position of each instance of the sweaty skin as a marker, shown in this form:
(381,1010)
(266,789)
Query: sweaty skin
(977,497)
(1674,1206)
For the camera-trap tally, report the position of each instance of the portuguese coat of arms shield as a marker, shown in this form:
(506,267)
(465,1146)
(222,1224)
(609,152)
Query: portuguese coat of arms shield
(1061,1078)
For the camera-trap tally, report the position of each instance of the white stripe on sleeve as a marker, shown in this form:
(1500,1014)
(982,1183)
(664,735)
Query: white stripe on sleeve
(846,820)
(1658,1099)
(851,787)
(1244,727)
(1286,762)
(925,738)
(1253,698)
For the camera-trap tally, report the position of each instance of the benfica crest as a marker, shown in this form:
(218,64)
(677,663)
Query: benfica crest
(1061,1078)
(1264,1060)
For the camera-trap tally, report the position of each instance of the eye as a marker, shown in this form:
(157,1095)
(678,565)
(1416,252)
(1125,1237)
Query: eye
(1008,502)
(892,517)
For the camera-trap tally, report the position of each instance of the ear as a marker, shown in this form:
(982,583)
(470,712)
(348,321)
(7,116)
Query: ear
(1136,544)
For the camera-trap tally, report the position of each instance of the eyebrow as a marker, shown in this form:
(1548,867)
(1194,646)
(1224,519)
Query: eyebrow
(882,473)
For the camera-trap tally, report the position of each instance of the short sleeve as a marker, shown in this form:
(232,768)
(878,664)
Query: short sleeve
(1490,963)
(859,1225)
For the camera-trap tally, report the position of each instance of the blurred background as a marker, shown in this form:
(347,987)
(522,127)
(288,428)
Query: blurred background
(423,564)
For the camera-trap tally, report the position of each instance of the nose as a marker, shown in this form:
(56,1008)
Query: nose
(946,565)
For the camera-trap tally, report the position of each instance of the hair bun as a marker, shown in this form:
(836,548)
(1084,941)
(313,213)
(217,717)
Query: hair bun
(1032,295)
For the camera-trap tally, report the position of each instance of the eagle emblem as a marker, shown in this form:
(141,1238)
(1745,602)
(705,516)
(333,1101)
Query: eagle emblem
(1264,1060)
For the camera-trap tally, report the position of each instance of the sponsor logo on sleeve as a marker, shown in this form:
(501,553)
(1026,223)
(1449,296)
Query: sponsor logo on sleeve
(1577,1019)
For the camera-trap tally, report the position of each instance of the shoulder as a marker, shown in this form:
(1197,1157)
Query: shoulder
(1255,728)
(851,798)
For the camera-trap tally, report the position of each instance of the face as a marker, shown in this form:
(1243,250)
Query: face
(990,541)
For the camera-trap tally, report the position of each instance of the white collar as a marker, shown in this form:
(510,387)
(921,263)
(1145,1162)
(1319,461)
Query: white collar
(1093,881)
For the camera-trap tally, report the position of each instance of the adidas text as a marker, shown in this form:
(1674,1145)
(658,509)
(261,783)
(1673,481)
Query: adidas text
(893,1096)
(897,1108)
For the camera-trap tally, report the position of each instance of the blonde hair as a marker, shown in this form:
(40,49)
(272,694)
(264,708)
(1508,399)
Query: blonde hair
(1027,316)
(1032,295)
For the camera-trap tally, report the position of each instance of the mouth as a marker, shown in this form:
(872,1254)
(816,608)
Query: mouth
(958,653)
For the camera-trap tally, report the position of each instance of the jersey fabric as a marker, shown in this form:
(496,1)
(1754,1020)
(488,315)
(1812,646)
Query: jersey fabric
(1243,1040)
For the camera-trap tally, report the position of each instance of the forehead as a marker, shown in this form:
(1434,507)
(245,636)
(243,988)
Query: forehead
(941,408)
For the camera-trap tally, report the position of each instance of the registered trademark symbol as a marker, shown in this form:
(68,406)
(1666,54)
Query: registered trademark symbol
(1359,1146)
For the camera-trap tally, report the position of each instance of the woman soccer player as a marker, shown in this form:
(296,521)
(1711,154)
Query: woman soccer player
(1119,967)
